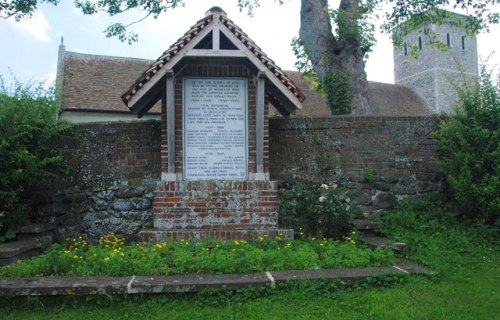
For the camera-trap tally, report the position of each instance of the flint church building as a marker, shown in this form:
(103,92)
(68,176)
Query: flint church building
(214,91)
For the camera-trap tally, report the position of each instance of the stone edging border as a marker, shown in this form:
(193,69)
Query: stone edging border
(60,286)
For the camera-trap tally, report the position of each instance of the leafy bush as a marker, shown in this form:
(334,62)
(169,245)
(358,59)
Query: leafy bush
(319,208)
(469,145)
(28,158)
(436,238)
(112,257)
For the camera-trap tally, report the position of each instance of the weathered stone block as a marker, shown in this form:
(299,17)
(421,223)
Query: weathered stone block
(361,197)
(384,200)
(122,205)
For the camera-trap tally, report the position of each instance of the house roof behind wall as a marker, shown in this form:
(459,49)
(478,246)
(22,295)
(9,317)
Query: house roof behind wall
(384,100)
(95,83)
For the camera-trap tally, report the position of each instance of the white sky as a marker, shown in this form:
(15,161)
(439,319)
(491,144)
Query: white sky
(29,48)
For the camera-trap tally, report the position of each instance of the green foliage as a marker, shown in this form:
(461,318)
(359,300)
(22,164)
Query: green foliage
(467,262)
(417,14)
(354,25)
(112,257)
(469,145)
(28,159)
(303,64)
(433,232)
(481,13)
(9,235)
(336,87)
(368,174)
(319,208)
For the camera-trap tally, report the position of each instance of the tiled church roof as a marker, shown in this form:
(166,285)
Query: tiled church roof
(94,83)
(384,99)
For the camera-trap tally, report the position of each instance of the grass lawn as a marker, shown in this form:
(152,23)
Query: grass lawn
(467,287)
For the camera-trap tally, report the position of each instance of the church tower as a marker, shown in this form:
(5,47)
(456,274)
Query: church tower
(433,74)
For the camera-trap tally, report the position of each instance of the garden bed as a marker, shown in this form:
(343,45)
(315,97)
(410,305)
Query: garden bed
(112,257)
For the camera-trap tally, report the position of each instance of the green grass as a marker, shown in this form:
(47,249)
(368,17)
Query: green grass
(467,287)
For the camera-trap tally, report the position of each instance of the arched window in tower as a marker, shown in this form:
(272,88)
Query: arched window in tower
(405,49)
(463,42)
(448,41)
(419,43)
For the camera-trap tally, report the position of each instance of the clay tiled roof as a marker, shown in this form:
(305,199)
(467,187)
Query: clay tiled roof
(192,33)
(384,99)
(394,100)
(95,83)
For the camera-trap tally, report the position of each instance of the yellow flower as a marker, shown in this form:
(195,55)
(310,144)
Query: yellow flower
(67,251)
(122,254)
(106,259)
(75,257)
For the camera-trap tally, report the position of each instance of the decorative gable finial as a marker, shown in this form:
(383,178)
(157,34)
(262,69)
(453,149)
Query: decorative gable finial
(214,10)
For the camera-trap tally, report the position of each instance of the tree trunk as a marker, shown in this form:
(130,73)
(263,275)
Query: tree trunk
(316,35)
(341,54)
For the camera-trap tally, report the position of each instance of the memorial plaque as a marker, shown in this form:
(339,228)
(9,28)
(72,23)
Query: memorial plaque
(215,138)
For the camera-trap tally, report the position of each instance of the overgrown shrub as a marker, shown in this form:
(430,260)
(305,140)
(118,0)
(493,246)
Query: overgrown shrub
(436,237)
(28,158)
(469,145)
(319,208)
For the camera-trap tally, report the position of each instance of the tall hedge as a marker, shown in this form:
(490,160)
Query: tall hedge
(28,156)
(469,144)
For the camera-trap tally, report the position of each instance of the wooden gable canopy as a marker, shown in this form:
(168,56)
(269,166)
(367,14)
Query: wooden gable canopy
(215,36)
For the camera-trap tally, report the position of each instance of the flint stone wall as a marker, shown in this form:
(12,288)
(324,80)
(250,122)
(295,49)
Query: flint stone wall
(116,167)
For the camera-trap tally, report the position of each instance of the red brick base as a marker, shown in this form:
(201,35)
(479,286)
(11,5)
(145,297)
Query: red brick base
(216,209)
